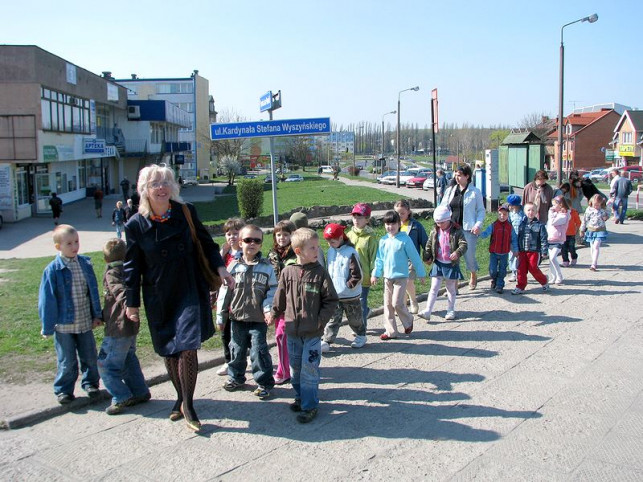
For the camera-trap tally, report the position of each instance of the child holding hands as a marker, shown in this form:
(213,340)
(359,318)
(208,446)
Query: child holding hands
(445,247)
(557,222)
(593,228)
(503,241)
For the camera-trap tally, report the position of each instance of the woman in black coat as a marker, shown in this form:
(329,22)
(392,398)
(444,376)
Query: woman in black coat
(162,260)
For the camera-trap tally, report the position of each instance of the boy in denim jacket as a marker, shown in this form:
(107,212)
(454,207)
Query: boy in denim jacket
(118,364)
(69,308)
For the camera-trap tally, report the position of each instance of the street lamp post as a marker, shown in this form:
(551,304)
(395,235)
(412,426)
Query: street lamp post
(559,167)
(388,113)
(397,178)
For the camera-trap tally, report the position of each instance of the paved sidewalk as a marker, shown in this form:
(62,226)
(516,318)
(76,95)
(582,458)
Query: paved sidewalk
(543,386)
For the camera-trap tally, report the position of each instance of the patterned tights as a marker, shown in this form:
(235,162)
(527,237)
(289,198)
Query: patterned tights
(183,370)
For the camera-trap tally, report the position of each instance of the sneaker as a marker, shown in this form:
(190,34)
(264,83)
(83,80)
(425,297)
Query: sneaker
(546,287)
(92,391)
(115,408)
(359,342)
(296,405)
(493,284)
(512,278)
(325,347)
(566,264)
(231,385)
(616,221)
(414,308)
(559,281)
(281,381)
(500,291)
(385,337)
(307,416)
(261,392)
(450,315)
(517,291)
(425,315)
(574,261)
(65,398)
(592,268)
(137,400)
(223,370)
(409,330)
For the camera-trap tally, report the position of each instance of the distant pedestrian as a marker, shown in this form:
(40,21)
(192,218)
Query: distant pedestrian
(532,245)
(136,200)
(56,207)
(118,364)
(69,308)
(98,202)
(118,218)
(593,227)
(622,190)
(125,184)
(440,185)
(129,210)
(445,247)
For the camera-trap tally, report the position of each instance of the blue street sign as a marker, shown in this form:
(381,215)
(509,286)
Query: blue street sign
(274,128)
(265,101)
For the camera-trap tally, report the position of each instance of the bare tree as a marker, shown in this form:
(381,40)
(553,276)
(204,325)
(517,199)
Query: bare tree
(299,150)
(536,122)
(229,148)
(231,166)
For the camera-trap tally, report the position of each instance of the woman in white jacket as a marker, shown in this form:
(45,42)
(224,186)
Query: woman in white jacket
(467,210)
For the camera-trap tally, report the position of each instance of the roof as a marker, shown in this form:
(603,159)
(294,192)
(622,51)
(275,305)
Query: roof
(521,138)
(636,118)
(581,120)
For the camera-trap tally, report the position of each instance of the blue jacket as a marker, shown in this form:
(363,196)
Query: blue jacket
(418,235)
(532,236)
(393,256)
(55,303)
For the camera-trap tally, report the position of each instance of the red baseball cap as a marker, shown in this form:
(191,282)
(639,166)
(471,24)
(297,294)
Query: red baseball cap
(333,230)
(362,209)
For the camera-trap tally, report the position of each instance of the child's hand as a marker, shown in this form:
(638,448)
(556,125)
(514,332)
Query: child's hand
(225,248)
(96,323)
(454,256)
(428,260)
(132,313)
(46,337)
(113,224)
(421,280)
(373,280)
(268,317)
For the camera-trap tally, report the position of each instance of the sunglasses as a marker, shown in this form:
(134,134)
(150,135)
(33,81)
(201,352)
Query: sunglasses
(252,240)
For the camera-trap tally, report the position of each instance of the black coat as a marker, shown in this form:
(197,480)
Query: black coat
(162,260)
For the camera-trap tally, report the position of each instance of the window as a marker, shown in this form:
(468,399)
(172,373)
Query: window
(22,186)
(626,137)
(64,113)
(186,106)
(156,133)
(175,88)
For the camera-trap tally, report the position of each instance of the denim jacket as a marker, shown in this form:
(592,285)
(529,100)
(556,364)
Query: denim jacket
(55,303)
(473,207)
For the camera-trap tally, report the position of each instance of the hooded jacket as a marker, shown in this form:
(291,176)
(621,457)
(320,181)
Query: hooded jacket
(365,242)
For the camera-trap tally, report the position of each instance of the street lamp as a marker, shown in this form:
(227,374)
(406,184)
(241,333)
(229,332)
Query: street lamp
(388,113)
(559,167)
(397,178)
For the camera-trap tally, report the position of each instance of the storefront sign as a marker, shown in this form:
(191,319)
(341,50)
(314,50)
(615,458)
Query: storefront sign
(626,151)
(94,146)
(49,153)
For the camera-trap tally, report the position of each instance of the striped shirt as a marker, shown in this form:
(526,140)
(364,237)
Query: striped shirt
(80,297)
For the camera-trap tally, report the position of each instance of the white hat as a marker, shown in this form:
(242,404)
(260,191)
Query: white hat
(441,213)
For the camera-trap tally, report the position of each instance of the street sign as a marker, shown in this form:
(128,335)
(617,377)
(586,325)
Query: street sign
(275,128)
(265,101)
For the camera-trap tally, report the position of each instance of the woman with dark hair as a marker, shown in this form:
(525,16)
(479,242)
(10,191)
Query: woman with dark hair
(163,259)
(540,194)
(467,211)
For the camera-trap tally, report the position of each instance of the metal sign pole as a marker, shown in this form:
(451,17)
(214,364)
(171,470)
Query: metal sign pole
(275,211)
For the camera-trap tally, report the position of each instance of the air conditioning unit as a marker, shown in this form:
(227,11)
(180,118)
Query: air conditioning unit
(133,112)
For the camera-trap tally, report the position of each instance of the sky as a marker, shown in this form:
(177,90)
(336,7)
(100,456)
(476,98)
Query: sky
(493,62)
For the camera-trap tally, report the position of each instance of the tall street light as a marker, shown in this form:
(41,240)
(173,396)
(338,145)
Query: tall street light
(559,167)
(388,113)
(397,178)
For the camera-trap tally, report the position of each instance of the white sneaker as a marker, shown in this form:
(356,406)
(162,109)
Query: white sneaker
(414,308)
(425,315)
(359,342)
(512,278)
(450,315)
(223,370)
(325,347)
(517,291)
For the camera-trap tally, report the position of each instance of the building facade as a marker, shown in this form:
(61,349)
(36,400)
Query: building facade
(628,139)
(53,120)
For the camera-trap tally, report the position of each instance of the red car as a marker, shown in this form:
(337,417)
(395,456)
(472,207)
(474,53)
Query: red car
(417,181)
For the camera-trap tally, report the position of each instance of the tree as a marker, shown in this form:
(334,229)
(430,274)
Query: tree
(299,150)
(496,137)
(230,149)
(536,122)
(231,166)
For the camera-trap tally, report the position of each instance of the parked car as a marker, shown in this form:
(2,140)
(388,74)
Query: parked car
(268,179)
(599,175)
(327,170)
(417,181)
(190,181)
(634,173)
(385,174)
(430,183)
(392,179)
(294,178)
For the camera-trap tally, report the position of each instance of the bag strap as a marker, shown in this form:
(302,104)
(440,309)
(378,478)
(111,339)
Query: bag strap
(188,217)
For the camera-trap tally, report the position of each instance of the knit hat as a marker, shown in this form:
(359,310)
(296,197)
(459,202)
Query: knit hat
(513,200)
(333,230)
(362,209)
(441,214)
(299,219)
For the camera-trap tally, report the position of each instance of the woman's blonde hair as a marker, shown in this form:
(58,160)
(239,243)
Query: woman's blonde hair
(152,173)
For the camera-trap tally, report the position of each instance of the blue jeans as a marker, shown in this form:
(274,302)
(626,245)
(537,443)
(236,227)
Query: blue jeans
(67,345)
(120,370)
(620,208)
(119,230)
(244,335)
(365,309)
(498,268)
(470,254)
(305,355)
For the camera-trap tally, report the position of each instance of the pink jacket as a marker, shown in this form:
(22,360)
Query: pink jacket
(557,226)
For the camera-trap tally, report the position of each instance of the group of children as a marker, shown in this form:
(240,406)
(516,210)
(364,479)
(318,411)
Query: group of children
(304,295)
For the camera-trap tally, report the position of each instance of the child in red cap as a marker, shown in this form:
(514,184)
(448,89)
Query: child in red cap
(346,273)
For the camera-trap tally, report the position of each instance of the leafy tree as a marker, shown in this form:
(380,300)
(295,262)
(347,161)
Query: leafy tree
(231,166)
(496,137)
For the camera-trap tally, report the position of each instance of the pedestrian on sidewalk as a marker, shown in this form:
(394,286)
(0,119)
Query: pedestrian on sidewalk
(532,244)
(249,304)
(125,184)
(445,247)
(516,215)
(306,297)
(557,223)
(622,190)
(569,247)
(69,308)
(503,241)
(164,261)
(118,218)
(118,364)
(365,241)
(56,205)
(98,202)
(394,252)
(418,235)
(593,228)
(280,256)
(346,273)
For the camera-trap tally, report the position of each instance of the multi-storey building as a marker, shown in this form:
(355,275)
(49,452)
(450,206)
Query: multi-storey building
(190,94)
(628,139)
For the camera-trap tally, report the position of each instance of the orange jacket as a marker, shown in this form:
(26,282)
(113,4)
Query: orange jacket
(574,223)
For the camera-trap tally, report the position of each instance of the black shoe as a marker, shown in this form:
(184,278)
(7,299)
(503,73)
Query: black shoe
(65,398)
(92,392)
(493,284)
(115,408)
(137,400)
(307,416)
(296,406)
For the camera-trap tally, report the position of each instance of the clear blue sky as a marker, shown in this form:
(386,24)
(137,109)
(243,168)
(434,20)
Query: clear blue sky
(493,62)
